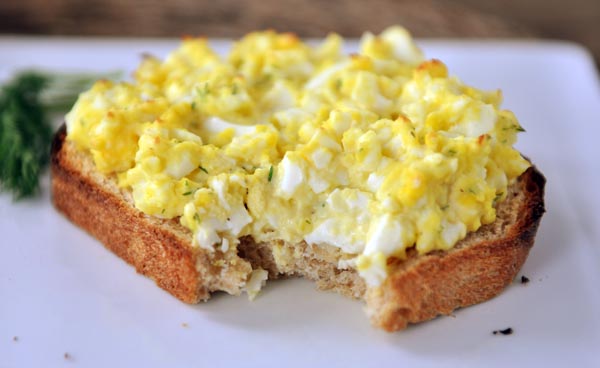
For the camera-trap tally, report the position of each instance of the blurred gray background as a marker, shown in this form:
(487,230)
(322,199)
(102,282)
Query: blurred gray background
(576,20)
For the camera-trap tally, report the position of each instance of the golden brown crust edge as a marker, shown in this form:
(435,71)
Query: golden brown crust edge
(154,252)
(419,290)
(440,283)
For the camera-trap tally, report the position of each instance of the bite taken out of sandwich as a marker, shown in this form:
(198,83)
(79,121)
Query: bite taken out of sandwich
(376,174)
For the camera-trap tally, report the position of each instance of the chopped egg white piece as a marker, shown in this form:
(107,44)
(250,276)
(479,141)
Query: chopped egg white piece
(255,282)
(292,176)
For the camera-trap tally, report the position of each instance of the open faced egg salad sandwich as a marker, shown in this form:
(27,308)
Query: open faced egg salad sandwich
(376,174)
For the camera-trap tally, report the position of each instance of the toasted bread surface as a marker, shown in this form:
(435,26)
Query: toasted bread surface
(478,268)
(418,288)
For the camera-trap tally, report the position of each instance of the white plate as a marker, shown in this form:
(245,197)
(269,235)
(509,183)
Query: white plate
(62,292)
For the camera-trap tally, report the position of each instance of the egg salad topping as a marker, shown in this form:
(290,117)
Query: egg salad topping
(374,152)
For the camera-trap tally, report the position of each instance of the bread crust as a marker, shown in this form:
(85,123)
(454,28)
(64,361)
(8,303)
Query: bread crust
(419,288)
(476,270)
(154,251)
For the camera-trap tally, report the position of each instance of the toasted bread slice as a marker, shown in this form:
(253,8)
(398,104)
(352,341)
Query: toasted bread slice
(418,288)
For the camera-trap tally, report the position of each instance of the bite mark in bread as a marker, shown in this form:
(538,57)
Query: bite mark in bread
(419,288)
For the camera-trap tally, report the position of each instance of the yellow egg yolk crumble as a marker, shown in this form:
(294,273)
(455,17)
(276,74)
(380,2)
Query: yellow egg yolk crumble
(374,152)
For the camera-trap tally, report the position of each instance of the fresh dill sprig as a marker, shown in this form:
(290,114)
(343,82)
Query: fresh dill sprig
(26,104)
(25,134)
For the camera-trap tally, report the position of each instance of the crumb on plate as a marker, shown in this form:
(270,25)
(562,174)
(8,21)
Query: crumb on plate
(506,331)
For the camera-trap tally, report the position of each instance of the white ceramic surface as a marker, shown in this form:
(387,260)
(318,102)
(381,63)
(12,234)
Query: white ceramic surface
(62,292)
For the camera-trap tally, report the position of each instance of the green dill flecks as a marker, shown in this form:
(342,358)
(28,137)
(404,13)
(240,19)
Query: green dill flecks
(472,191)
(497,197)
(203,169)
(308,221)
(451,152)
(265,79)
(234,89)
(196,217)
(515,127)
(203,91)
(445,207)
(412,132)
(193,105)
(338,84)
(188,193)
(163,211)
(270,174)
